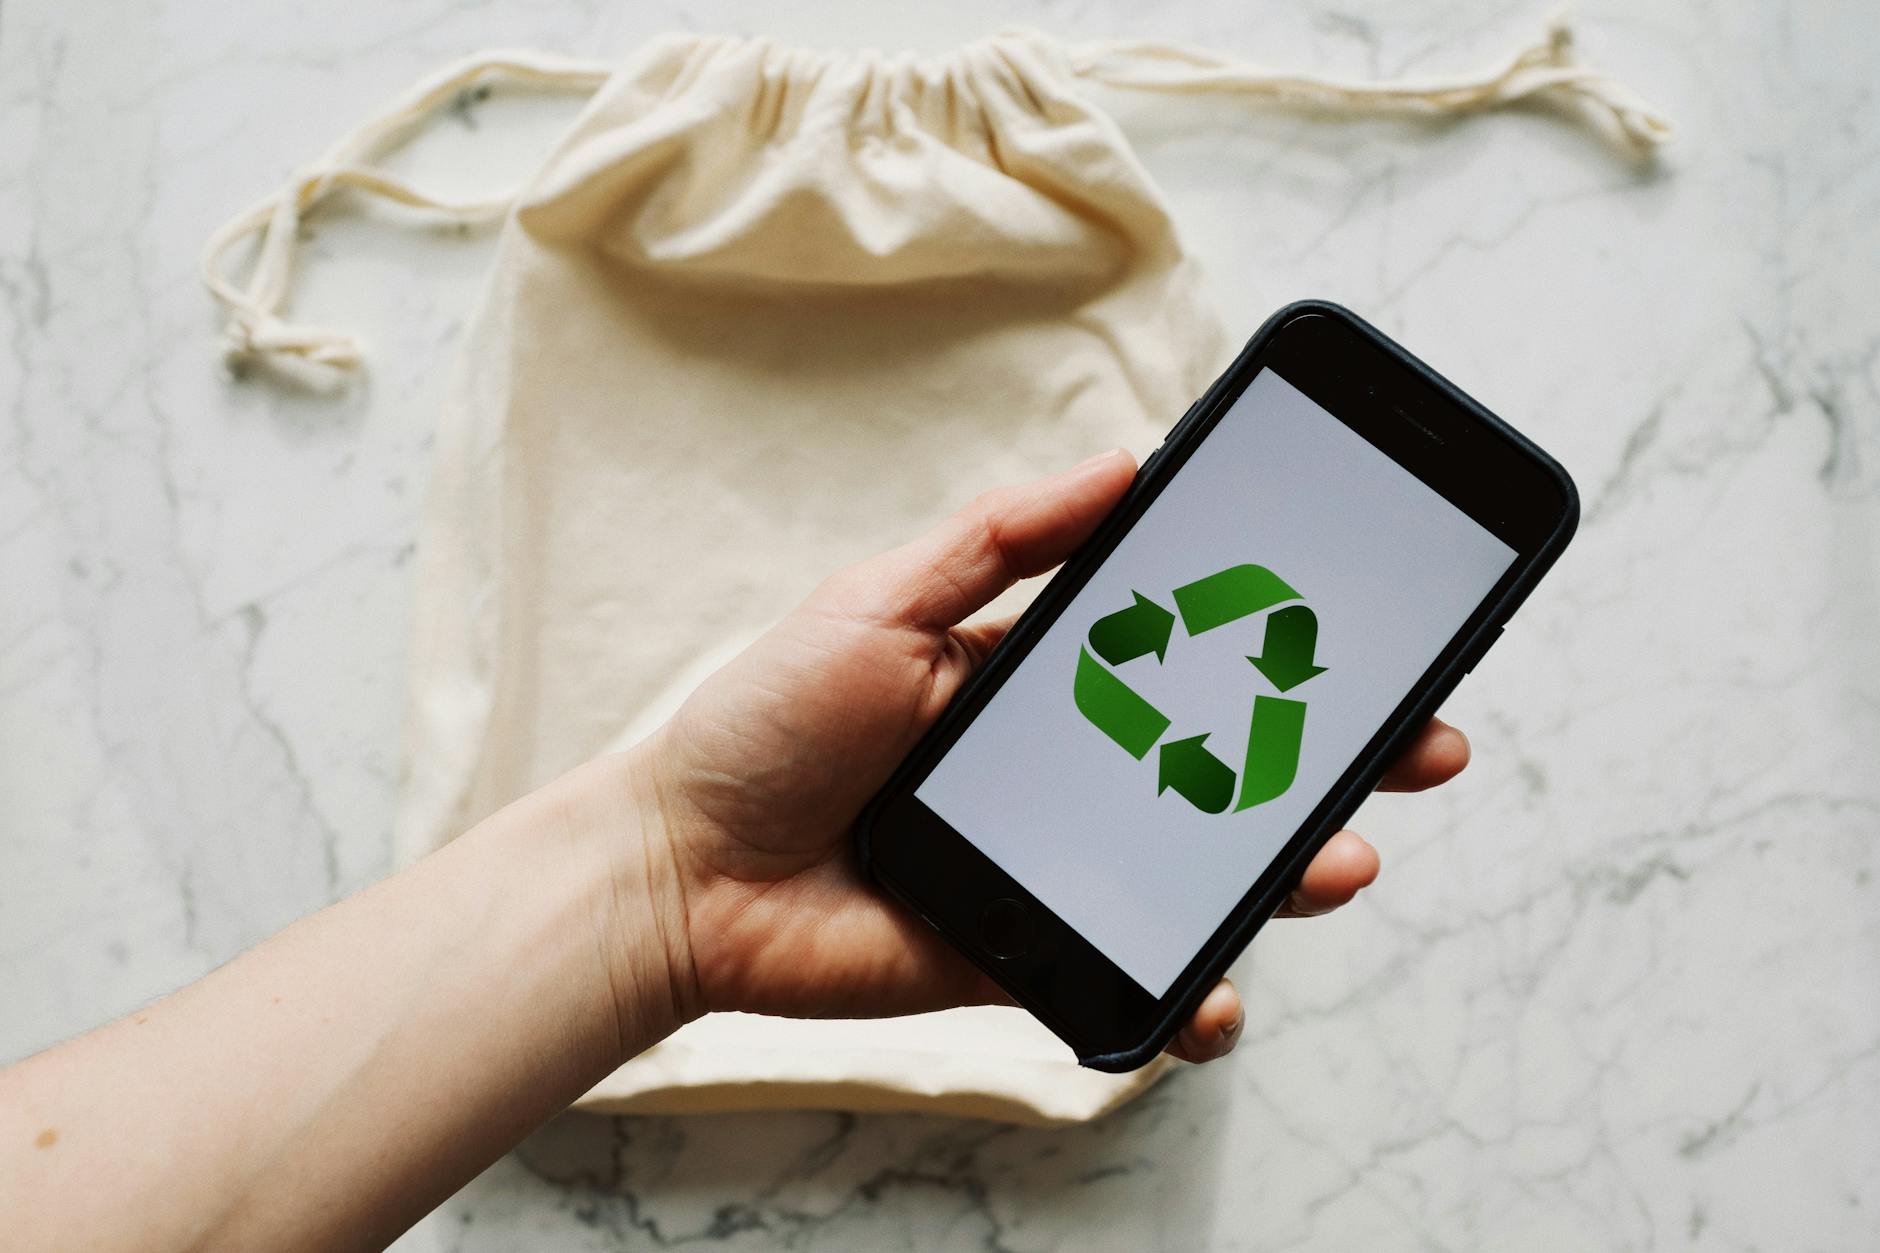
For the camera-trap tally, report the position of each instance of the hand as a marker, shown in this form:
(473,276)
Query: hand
(757,781)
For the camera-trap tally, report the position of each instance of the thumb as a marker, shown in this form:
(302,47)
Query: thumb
(1004,535)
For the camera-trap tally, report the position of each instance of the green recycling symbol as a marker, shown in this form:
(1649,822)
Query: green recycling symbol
(1187,765)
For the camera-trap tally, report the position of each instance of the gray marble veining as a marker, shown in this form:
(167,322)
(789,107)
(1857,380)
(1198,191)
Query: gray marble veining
(1618,988)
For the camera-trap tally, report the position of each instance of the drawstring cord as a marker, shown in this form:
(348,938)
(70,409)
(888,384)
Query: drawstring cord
(255,326)
(1545,68)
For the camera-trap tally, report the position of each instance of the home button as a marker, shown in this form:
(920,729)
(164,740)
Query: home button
(1005,928)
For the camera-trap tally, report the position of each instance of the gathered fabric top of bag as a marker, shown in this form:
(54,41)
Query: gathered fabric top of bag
(761,312)
(1546,70)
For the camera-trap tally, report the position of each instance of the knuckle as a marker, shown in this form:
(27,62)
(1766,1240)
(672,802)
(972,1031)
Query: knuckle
(984,519)
(852,591)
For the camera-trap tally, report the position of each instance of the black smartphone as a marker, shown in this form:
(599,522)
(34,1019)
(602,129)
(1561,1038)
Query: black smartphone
(1135,779)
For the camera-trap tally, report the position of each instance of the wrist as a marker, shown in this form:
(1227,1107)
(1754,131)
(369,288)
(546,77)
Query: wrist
(642,912)
(649,905)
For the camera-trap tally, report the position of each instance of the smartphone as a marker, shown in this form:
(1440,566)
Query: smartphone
(1136,778)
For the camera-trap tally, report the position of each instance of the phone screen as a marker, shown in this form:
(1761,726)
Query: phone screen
(1207,687)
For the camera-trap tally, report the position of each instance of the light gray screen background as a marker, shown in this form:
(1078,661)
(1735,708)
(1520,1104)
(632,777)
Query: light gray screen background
(1390,568)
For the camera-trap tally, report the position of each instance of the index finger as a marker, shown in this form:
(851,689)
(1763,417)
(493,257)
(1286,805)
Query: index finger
(1007,534)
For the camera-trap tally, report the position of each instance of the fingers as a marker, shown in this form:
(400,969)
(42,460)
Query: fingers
(1006,535)
(980,638)
(1436,755)
(1345,866)
(1215,1028)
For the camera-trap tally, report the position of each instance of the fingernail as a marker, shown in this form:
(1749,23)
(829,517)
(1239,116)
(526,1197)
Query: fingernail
(1468,749)
(1099,459)
(1230,1034)
(1304,907)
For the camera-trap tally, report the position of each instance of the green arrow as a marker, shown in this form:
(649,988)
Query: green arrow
(1291,635)
(1228,596)
(1134,632)
(1196,774)
(1272,750)
(1114,709)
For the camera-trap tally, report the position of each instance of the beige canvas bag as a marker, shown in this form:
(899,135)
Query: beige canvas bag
(762,312)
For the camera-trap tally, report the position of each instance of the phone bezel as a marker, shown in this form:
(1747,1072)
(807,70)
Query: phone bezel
(1430,428)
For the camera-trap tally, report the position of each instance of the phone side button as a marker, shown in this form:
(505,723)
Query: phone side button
(1005,928)
(1482,651)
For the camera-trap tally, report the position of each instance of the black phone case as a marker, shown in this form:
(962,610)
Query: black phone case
(1425,698)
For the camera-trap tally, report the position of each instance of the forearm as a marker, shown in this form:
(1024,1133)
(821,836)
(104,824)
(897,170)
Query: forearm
(332,1085)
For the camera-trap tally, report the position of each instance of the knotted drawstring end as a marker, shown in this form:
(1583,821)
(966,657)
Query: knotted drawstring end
(255,331)
(272,341)
(1640,126)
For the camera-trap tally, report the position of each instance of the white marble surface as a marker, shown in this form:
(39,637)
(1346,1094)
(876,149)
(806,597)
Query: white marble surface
(1618,988)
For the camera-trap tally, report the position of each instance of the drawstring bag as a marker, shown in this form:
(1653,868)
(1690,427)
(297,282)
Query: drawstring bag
(762,312)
